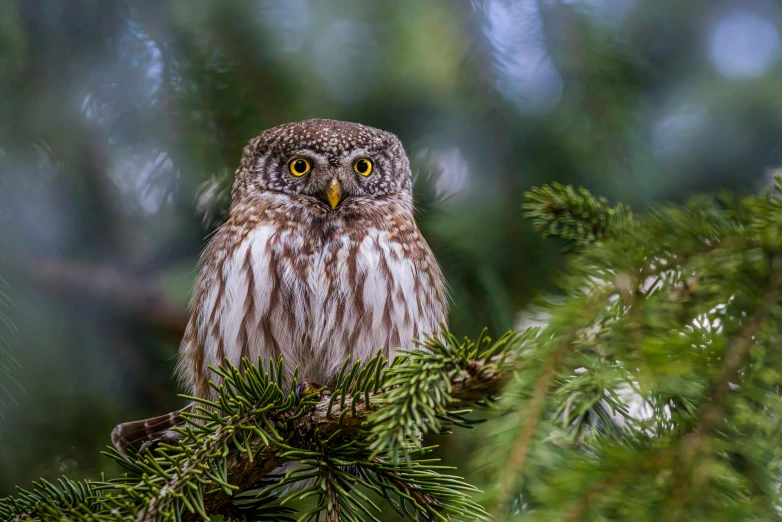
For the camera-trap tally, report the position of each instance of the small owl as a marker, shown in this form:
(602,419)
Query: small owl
(320,258)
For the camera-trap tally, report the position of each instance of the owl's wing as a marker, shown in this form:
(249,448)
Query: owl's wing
(192,366)
(235,297)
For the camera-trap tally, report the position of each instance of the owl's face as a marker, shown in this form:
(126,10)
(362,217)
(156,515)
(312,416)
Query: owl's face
(331,164)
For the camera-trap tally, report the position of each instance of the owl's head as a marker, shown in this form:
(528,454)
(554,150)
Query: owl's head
(327,165)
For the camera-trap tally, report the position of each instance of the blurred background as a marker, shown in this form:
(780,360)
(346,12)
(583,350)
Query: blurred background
(121,123)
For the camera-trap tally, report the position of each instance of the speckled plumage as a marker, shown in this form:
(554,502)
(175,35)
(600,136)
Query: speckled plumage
(287,274)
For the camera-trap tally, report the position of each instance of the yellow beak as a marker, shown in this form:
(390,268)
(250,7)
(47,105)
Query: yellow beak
(334,193)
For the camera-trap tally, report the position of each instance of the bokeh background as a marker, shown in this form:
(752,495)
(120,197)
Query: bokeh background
(121,123)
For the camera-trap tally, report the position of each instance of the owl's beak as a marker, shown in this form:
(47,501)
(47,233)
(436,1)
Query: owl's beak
(333,193)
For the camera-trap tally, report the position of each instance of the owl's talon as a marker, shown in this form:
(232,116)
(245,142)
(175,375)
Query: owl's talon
(306,388)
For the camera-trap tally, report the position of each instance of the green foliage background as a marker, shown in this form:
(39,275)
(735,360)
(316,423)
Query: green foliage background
(9,367)
(122,121)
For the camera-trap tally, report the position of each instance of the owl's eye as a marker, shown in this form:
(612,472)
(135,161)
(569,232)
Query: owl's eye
(299,166)
(363,167)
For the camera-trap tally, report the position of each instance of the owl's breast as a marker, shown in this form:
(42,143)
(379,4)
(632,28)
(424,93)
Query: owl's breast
(315,299)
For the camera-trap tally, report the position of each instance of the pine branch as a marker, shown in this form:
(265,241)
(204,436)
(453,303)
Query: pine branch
(231,445)
(574,214)
(735,357)
(520,450)
(684,351)
(539,395)
(483,371)
(72,499)
(692,447)
(422,393)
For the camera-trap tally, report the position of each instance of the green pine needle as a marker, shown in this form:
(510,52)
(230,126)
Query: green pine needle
(574,214)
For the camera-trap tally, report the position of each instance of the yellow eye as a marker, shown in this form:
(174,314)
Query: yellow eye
(363,167)
(299,166)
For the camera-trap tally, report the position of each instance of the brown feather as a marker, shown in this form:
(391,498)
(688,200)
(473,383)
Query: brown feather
(135,433)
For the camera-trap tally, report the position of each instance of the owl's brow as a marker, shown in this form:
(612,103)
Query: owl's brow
(287,156)
(305,153)
(355,154)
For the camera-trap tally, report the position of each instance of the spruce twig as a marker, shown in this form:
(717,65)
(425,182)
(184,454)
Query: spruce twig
(574,214)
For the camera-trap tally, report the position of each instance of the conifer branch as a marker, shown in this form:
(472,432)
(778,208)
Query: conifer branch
(231,445)
(520,450)
(735,357)
(685,278)
(446,372)
(539,395)
(476,379)
(714,411)
(574,214)
(72,500)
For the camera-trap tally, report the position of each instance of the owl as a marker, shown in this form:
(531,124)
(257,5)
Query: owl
(320,258)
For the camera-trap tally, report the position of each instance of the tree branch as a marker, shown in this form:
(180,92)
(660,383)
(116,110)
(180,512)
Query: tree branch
(135,295)
(246,469)
(714,411)
(534,410)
